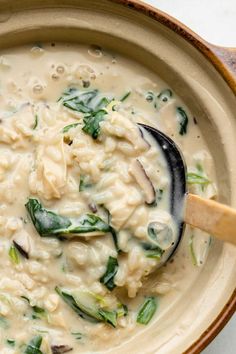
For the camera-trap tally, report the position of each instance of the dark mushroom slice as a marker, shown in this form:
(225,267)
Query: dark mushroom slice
(138,172)
(22,243)
(60,349)
(143,137)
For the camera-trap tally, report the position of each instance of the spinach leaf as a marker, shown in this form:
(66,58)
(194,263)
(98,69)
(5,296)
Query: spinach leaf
(86,306)
(108,278)
(102,103)
(14,255)
(115,239)
(196,178)
(108,316)
(89,103)
(79,101)
(147,310)
(92,123)
(89,314)
(34,346)
(70,126)
(183,120)
(48,223)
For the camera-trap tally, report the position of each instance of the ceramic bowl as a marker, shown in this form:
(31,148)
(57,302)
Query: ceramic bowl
(204,76)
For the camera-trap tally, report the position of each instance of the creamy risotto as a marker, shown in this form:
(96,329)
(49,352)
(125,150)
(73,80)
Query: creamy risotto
(84,200)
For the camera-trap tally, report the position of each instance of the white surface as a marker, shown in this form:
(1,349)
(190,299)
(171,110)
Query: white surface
(214,20)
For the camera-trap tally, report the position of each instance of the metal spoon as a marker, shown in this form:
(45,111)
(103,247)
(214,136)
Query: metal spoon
(217,219)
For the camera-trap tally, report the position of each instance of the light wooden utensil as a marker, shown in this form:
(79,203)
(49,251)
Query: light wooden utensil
(217,219)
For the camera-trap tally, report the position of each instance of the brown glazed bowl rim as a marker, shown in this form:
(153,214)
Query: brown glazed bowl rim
(223,59)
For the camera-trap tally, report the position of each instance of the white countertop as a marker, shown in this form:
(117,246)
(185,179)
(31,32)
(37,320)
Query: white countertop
(214,20)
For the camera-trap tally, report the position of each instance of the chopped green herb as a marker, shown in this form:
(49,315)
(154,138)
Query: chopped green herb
(48,223)
(84,183)
(152,251)
(155,253)
(194,259)
(196,178)
(34,346)
(183,120)
(108,278)
(14,255)
(70,126)
(77,335)
(35,121)
(126,95)
(199,246)
(11,342)
(147,310)
(122,310)
(37,312)
(3,323)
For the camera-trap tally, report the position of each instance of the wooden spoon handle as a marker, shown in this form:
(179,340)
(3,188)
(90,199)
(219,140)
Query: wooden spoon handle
(217,219)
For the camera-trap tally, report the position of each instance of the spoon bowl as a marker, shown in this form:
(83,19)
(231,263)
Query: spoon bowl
(208,215)
(177,169)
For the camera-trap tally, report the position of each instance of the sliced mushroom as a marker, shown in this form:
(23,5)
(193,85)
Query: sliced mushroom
(143,137)
(138,172)
(22,243)
(92,206)
(61,349)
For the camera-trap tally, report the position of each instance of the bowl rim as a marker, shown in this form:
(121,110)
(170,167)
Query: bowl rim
(224,61)
(222,58)
(223,66)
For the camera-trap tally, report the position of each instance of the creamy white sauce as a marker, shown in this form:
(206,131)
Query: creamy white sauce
(39,161)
